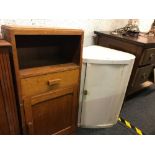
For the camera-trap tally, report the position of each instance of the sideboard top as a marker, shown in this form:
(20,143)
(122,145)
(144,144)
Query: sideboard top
(26,30)
(140,40)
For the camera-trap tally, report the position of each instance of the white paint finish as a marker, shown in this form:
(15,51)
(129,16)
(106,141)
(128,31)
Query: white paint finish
(89,25)
(102,55)
(106,85)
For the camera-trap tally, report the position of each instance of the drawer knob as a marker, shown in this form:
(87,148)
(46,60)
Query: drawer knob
(54,82)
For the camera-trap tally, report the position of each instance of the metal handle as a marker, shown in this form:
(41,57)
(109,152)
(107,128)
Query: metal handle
(54,82)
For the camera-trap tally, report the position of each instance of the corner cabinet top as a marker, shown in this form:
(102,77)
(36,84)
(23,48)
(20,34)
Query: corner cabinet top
(30,30)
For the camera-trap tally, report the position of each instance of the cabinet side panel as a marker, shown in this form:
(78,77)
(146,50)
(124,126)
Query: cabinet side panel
(4,126)
(8,92)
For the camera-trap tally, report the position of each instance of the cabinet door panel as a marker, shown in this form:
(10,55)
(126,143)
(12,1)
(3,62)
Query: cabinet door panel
(51,112)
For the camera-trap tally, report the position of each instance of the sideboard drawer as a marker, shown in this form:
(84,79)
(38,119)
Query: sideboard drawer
(148,57)
(142,75)
(52,81)
(119,45)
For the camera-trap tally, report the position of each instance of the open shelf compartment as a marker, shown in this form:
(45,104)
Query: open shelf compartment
(46,50)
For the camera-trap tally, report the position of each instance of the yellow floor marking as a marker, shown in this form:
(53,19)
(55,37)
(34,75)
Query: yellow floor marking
(127,124)
(139,131)
(119,119)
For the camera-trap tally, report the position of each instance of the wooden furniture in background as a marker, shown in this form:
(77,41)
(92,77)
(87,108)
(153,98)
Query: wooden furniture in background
(9,123)
(142,47)
(47,64)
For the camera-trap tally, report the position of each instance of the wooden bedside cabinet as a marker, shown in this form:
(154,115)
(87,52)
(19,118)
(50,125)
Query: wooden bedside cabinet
(48,64)
(9,123)
(142,47)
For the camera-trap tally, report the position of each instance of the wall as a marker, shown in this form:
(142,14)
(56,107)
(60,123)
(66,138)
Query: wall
(88,25)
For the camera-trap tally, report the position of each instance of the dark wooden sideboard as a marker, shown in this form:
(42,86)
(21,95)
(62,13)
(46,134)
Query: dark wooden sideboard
(143,47)
(9,123)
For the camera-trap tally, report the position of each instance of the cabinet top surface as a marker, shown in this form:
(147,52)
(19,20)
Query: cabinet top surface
(140,40)
(4,43)
(41,30)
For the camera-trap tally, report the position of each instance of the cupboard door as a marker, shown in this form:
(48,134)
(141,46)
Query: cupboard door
(53,112)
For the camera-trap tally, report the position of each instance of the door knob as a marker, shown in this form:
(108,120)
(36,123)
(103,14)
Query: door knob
(85,92)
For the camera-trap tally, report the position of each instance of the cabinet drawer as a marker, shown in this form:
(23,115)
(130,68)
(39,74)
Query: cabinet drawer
(148,56)
(52,81)
(142,75)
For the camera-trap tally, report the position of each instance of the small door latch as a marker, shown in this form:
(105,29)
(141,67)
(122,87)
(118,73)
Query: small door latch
(85,92)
